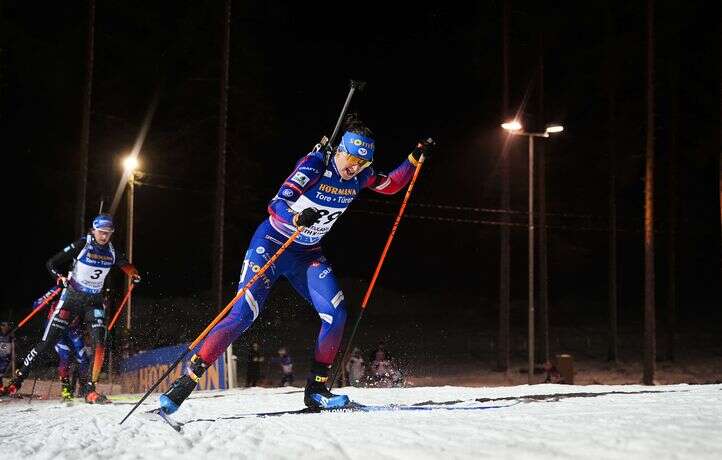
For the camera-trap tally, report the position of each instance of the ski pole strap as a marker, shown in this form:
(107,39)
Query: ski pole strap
(120,307)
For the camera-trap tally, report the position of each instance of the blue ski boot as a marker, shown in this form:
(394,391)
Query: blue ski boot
(171,400)
(317,396)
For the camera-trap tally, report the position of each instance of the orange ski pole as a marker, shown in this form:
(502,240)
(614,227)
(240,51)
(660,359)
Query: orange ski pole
(370,289)
(120,308)
(217,319)
(48,296)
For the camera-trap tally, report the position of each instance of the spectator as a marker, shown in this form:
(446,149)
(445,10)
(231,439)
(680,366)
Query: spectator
(383,372)
(380,347)
(6,348)
(253,371)
(355,368)
(286,367)
(552,373)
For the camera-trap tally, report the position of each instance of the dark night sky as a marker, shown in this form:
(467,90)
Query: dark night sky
(430,71)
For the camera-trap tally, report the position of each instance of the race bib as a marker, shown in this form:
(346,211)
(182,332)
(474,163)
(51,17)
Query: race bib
(90,277)
(329,216)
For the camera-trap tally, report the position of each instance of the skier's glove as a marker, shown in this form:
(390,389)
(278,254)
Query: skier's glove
(132,273)
(61,281)
(425,147)
(307,217)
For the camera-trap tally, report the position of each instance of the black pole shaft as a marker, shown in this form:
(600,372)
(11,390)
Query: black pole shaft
(354,86)
(155,385)
(348,348)
(337,128)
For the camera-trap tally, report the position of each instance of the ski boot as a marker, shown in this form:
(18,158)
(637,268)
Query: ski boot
(171,400)
(316,396)
(66,391)
(14,385)
(92,396)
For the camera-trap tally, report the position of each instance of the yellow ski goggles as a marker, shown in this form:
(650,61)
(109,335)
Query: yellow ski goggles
(354,160)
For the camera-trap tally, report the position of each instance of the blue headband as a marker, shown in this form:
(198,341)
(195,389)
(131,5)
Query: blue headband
(357,145)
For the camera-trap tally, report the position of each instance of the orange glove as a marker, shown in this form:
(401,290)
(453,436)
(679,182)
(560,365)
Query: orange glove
(132,272)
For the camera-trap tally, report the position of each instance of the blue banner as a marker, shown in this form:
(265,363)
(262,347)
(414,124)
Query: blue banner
(141,371)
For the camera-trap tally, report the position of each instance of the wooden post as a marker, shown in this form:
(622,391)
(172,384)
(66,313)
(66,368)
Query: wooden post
(650,345)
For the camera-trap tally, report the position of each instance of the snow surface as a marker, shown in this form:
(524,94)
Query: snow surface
(540,421)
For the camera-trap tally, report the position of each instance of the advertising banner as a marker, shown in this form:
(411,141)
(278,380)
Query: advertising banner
(141,371)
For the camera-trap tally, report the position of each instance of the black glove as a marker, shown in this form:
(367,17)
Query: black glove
(307,217)
(425,147)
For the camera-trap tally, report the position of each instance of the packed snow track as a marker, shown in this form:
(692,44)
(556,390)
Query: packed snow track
(541,421)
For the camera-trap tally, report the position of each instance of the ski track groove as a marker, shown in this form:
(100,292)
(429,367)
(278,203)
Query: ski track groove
(298,436)
(333,439)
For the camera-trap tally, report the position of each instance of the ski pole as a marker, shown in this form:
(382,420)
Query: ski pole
(370,289)
(47,297)
(217,319)
(120,308)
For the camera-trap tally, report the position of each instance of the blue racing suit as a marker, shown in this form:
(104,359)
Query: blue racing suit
(69,346)
(313,183)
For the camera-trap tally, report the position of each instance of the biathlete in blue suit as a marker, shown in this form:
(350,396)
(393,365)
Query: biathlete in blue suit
(314,196)
(70,347)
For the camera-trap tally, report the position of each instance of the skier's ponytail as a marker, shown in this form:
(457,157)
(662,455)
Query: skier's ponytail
(353,123)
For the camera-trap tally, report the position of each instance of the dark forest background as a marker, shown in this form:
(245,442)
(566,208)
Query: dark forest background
(431,71)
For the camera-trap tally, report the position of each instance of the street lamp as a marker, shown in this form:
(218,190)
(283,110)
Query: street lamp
(130,164)
(515,127)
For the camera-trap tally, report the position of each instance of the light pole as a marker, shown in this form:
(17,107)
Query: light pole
(130,164)
(514,127)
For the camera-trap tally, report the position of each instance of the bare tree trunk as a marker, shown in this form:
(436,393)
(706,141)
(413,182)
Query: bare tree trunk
(649,284)
(80,223)
(543,272)
(221,169)
(673,208)
(502,362)
(611,66)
